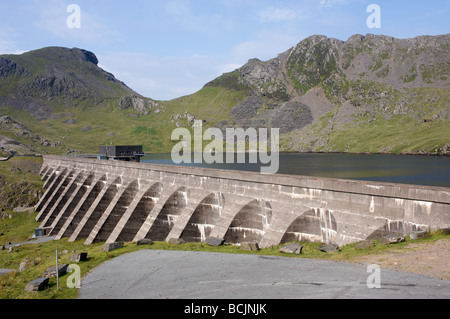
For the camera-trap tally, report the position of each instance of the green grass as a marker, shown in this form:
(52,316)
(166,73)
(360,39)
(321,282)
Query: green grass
(20,183)
(210,103)
(17,229)
(110,125)
(397,135)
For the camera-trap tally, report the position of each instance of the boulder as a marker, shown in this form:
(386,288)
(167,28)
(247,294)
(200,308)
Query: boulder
(365,244)
(112,246)
(37,285)
(23,265)
(214,241)
(6,271)
(29,210)
(144,241)
(388,240)
(419,234)
(250,246)
(292,248)
(176,241)
(329,248)
(75,258)
(51,272)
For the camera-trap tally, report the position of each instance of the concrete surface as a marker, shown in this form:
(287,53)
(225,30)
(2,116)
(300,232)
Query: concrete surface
(152,274)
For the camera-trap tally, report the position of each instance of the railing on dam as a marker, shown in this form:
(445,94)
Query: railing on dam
(110,201)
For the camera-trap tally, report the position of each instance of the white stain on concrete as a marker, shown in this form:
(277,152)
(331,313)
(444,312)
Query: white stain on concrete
(372,205)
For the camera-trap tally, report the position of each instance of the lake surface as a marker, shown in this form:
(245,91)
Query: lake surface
(406,169)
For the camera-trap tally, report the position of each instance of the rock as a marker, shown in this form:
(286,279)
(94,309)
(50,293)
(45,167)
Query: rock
(419,234)
(329,248)
(51,272)
(446,231)
(292,248)
(70,121)
(37,285)
(37,261)
(176,241)
(214,241)
(23,264)
(144,241)
(75,258)
(365,244)
(250,246)
(388,240)
(24,210)
(112,246)
(6,271)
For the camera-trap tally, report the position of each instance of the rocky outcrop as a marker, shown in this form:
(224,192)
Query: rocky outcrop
(9,67)
(12,146)
(143,106)
(56,76)
(85,55)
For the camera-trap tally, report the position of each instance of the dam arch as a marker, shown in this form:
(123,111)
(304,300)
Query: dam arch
(316,225)
(133,221)
(65,196)
(250,223)
(97,209)
(50,185)
(108,223)
(61,189)
(66,211)
(93,189)
(203,219)
(167,217)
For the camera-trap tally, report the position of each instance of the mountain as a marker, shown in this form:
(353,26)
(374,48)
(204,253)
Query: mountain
(51,90)
(367,94)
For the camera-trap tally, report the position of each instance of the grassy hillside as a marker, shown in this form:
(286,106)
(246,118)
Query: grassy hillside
(20,184)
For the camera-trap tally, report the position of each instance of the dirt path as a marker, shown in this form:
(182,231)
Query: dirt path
(431,259)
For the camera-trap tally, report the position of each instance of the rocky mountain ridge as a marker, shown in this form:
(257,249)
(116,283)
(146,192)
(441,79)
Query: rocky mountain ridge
(367,94)
(325,79)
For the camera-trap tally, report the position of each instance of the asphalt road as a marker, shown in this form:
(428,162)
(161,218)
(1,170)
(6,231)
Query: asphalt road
(152,274)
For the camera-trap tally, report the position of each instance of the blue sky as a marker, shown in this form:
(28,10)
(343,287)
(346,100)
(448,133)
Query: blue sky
(167,49)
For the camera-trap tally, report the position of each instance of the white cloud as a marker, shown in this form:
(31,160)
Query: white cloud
(276,14)
(161,78)
(177,7)
(7,41)
(267,45)
(52,17)
(333,3)
(228,67)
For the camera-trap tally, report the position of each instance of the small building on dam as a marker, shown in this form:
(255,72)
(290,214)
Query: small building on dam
(127,153)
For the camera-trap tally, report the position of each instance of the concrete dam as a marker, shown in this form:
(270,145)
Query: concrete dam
(108,201)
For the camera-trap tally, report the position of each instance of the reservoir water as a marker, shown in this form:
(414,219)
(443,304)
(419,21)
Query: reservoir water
(405,169)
